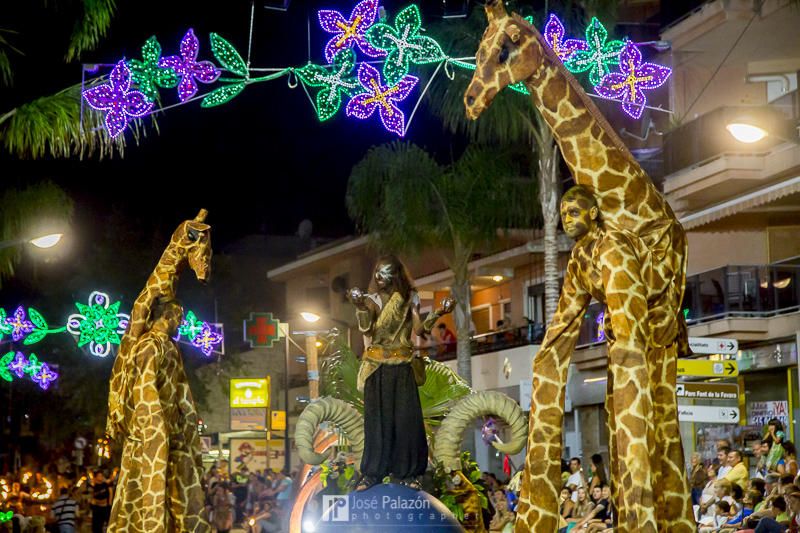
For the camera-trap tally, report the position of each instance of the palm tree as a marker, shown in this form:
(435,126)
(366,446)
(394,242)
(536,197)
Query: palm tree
(511,119)
(24,210)
(56,125)
(407,202)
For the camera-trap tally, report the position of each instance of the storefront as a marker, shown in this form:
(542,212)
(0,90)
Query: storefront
(767,388)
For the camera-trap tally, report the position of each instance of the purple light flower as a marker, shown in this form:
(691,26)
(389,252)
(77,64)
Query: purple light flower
(18,365)
(554,37)
(633,79)
(44,377)
(382,97)
(206,339)
(20,324)
(189,68)
(347,32)
(115,98)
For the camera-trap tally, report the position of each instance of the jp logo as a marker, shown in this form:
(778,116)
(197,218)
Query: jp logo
(335,508)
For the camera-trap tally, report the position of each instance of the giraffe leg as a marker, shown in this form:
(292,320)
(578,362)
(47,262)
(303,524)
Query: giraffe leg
(632,408)
(186,497)
(613,450)
(541,480)
(673,502)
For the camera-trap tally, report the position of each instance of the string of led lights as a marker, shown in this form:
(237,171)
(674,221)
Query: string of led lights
(100,325)
(381,81)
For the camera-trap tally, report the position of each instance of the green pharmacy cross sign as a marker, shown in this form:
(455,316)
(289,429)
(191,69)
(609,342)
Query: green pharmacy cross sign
(262,330)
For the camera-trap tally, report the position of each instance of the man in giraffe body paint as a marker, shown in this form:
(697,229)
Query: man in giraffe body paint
(151,410)
(630,254)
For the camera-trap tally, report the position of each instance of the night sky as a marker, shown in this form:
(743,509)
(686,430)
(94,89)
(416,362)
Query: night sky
(261,163)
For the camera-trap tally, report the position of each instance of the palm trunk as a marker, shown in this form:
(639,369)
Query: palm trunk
(463,317)
(548,197)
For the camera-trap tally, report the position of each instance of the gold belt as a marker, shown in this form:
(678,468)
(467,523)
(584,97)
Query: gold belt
(384,355)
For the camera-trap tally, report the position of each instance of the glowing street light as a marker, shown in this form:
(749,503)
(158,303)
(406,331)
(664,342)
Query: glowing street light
(47,241)
(746,133)
(308,316)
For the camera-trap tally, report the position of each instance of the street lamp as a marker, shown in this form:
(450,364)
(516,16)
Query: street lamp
(45,241)
(746,133)
(311,318)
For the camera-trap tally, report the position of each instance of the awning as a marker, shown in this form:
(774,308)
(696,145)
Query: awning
(742,203)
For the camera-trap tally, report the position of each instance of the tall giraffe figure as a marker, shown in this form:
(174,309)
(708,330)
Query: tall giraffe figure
(630,254)
(150,405)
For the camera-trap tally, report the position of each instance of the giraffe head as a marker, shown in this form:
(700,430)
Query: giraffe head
(500,61)
(192,241)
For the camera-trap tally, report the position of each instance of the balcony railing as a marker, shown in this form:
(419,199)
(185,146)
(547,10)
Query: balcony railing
(742,291)
(727,292)
(502,339)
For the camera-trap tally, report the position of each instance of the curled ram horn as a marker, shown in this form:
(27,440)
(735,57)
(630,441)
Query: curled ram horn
(336,412)
(497,404)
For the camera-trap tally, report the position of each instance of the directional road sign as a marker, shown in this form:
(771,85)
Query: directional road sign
(703,368)
(707,413)
(707,391)
(710,345)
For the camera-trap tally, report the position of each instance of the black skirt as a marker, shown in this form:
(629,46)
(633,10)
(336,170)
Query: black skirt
(394,433)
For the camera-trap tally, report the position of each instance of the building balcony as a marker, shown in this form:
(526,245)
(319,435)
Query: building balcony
(705,165)
(738,291)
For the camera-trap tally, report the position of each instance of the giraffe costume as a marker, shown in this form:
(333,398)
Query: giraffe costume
(634,261)
(150,405)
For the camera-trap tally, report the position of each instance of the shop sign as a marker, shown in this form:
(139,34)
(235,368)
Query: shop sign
(759,413)
(710,345)
(707,391)
(707,413)
(249,419)
(703,368)
(250,392)
(773,355)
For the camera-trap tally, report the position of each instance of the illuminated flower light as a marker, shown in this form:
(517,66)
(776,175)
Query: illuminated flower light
(6,516)
(554,37)
(116,98)
(206,339)
(147,74)
(633,79)
(188,68)
(19,324)
(190,327)
(404,44)
(18,364)
(98,324)
(337,83)
(601,328)
(598,57)
(347,32)
(382,97)
(5,369)
(44,378)
(34,366)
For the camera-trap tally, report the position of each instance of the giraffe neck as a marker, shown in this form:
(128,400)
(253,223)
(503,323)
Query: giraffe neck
(161,283)
(594,153)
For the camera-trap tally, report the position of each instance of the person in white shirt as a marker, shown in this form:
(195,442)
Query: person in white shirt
(722,456)
(576,479)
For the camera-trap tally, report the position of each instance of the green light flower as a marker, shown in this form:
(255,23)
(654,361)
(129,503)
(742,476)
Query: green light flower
(404,44)
(600,56)
(147,75)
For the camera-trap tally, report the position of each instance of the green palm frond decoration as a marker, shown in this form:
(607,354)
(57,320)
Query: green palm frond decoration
(51,126)
(339,373)
(442,388)
(91,27)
